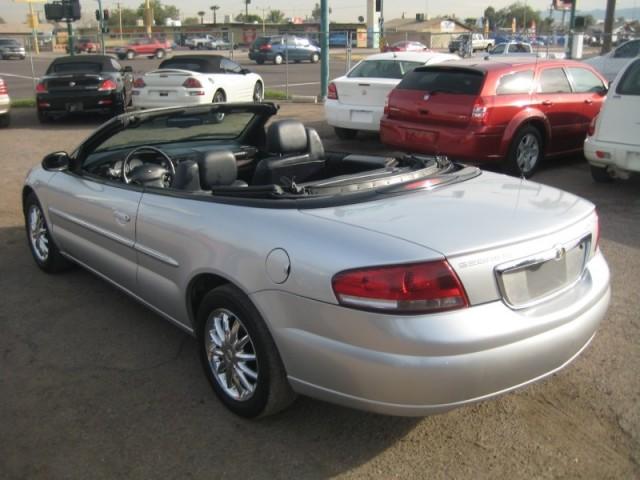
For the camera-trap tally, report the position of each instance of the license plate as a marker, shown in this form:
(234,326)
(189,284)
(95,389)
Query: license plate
(529,281)
(361,116)
(163,94)
(421,136)
(74,107)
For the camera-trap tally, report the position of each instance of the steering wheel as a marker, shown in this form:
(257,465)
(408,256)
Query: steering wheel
(161,176)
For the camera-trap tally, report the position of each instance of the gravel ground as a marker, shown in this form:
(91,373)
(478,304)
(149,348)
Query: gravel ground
(92,385)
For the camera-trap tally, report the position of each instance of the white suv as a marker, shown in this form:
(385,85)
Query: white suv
(612,146)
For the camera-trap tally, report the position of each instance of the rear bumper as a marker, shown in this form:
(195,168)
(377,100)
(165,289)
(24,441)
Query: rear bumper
(77,101)
(465,144)
(21,54)
(262,56)
(418,365)
(5,104)
(145,100)
(351,116)
(621,156)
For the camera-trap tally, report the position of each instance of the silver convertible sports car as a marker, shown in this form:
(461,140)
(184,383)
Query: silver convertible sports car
(403,285)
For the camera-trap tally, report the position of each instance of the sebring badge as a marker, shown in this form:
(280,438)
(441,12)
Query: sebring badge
(426,97)
(72,84)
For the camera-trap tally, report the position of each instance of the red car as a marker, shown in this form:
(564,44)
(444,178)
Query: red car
(509,112)
(149,47)
(407,46)
(85,45)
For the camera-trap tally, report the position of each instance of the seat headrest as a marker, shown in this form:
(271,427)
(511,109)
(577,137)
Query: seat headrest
(218,168)
(286,136)
(315,147)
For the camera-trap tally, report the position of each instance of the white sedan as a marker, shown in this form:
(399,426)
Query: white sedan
(611,63)
(196,79)
(356,100)
(612,146)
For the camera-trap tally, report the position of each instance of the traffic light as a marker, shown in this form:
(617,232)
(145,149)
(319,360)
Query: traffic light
(97,15)
(378,6)
(105,14)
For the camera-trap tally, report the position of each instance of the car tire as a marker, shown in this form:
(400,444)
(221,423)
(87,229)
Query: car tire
(278,59)
(219,97)
(600,174)
(160,53)
(5,120)
(525,153)
(258,92)
(260,62)
(315,58)
(43,117)
(232,333)
(44,251)
(119,107)
(345,133)
(130,55)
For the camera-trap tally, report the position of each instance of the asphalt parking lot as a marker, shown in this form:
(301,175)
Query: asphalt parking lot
(93,385)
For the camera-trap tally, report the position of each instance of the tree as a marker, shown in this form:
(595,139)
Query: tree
(275,16)
(470,22)
(251,18)
(589,21)
(522,12)
(316,13)
(201,15)
(608,25)
(490,16)
(160,12)
(129,17)
(191,21)
(214,8)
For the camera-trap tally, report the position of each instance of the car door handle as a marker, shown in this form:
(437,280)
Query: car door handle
(121,217)
(588,101)
(547,103)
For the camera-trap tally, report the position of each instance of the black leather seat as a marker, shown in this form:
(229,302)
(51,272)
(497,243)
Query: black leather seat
(215,169)
(296,153)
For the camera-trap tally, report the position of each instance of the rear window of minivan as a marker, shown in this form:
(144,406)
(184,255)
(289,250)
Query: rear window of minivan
(446,80)
(630,81)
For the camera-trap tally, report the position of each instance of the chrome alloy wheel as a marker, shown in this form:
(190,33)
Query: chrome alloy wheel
(527,153)
(231,354)
(38,234)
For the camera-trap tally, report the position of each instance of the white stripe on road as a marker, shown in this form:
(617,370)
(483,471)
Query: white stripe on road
(17,76)
(294,84)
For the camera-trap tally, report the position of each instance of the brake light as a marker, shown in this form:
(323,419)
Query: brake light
(41,87)
(192,83)
(412,288)
(3,87)
(139,83)
(332,92)
(265,48)
(479,112)
(107,85)
(591,131)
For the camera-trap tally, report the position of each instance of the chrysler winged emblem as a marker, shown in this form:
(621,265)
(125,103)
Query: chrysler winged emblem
(426,97)
(72,84)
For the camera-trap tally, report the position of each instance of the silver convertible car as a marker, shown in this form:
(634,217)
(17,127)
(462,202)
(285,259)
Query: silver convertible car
(402,285)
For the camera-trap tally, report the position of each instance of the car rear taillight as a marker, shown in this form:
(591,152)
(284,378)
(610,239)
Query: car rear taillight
(107,85)
(41,87)
(265,48)
(332,92)
(139,83)
(192,83)
(479,112)
(386,104)
(591,131)
(412,288)
(3,87)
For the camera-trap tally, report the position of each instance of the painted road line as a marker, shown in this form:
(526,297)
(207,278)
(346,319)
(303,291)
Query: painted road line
(18,76)
(294,84)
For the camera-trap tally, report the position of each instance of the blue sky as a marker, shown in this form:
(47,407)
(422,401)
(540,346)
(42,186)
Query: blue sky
(343,10)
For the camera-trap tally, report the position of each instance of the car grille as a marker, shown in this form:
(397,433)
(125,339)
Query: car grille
(526,282)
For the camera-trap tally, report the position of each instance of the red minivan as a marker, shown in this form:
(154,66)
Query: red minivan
(512,112)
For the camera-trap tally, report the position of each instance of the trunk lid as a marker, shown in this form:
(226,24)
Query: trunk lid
(164,79)
(484,224)
(74,82)
(437,95)
(364,91)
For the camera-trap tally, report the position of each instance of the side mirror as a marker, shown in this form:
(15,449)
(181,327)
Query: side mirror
(245,71)
(56,162)
(128,69)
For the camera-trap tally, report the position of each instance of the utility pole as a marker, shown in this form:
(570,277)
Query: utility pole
(246,10)
(324,48)
(101,26)
(148,17)
(120,18)
(572,21)
(33,22)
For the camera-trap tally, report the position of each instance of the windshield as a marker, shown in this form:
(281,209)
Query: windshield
(446,80)
(179,126)
(8,42)
(383,69)
(630,81)
(68,67)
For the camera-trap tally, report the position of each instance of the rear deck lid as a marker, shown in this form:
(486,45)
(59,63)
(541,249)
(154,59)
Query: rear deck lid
(438,95)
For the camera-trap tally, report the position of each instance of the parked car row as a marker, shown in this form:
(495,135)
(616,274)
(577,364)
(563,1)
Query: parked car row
(282,48)
(99,83)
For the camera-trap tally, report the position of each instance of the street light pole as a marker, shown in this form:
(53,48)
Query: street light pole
(102,49)
(324,48)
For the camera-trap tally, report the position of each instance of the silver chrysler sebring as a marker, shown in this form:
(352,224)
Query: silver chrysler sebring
(402,285)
